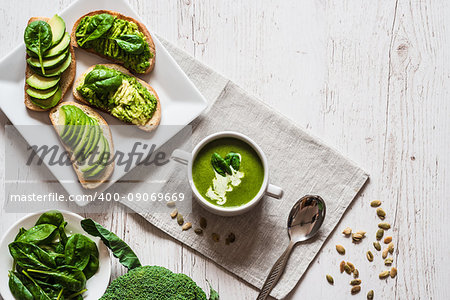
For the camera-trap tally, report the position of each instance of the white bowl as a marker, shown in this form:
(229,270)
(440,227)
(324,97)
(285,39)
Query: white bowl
(96,285)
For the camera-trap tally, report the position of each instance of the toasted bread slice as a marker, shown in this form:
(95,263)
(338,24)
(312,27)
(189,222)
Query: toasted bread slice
(156,118)
(141,28)
(90,183)
(65,82)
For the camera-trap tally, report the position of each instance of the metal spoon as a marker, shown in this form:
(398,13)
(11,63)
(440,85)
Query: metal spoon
(304,221)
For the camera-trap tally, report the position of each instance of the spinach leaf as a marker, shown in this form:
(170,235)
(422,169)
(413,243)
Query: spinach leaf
(78,251)
(92,266)
(103,81)
(118,247)
(52,217)
(62,236)
(39,234)
(19,234)
(29,255)
(69,277)
(98,26)
(18,288)
(35,289)
(219,164)
(131,43)
(38,38)
(234,160)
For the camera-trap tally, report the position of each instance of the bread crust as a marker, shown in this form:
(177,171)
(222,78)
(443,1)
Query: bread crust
(67,77)
(151,124)
(87,184)
(141,28)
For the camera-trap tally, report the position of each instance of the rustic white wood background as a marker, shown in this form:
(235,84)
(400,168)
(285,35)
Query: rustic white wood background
(371,78)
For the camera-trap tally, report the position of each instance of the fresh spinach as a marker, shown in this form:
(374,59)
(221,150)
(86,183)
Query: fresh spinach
(102,81)
(52,217)
(78,251)
(118,247)
(62,236)
(131,43)
(234,160)
(35,289)
(19,234)
(220,165)
(18,288)
(92,266)
(38,38)
(68,276)
(98,26)
(28,255)
(39,234)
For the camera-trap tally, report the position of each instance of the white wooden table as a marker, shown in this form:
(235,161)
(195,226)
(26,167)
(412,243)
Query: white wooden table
(371,78)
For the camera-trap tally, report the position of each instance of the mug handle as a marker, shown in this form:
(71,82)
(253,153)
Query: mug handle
(274,191)
(181,156)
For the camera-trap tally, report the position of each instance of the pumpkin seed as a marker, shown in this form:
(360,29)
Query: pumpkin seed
(347,231)
(393,272)
(383,274)
(388,261)
(330,279)
(180,219)
(174,213)
(357,237)
(391,247)
(369,256)
(370,295)
(375,203)
(381,213)
(203,223)
(186,226)
(170,204)
(355,273)
(198,231)
(352,266)
(347,269)
(384,225)
(377,246)
(215,237)
(363,233)
(384,253)
(380,234)
(355,290)
(341,266)
(340,249)
(388,239)
(355,282)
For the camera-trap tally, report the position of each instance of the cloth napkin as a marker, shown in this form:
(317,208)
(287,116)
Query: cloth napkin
(298,162)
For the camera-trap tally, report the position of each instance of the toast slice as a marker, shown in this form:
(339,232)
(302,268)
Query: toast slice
(106,173)
(141,28)
(151,124)
(67,77)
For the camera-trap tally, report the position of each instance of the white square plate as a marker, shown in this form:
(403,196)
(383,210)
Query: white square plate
(181,102)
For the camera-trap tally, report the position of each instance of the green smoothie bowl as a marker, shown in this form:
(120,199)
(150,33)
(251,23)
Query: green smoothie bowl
(228,173)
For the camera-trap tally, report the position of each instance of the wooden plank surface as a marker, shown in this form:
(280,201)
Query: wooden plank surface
(371,78)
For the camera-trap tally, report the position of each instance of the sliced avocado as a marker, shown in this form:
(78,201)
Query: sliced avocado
(95,137)
(93,161)
(65,120)
(50,102)
(48,63)
(42,83)
(56,71)
(102,165)
(58,27)
(70,122)
(83,144)
(82,120)
(42,94)
(74,126)
(56,50)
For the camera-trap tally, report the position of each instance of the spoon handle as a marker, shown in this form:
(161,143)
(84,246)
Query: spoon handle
(275,273)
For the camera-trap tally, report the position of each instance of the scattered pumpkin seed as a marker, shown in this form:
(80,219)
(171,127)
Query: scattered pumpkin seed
(370,295)
(375,203)
(391,247)
(355,273)
(198,231)
(356,289)
(377,246)
(347,269)
(174,213)
(393,272)
(215,237)
(384,253)
(347,231)
(341,266)
(352,266)
(340,249)
(230,239)
(388,261)
(186,226)
(380,234)
(330,279)
(180,219)
(388,239)
(170,204)
(383,274)
(355,282)
(357,237)
(363,233)
(203,223)
(384,225)
(369,255)
(381,213)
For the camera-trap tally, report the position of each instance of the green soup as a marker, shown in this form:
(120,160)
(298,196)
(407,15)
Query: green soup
(228,172)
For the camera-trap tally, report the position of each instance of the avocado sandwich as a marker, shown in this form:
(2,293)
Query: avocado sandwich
(87,138)
(116,91)
(50,69)
(116,37)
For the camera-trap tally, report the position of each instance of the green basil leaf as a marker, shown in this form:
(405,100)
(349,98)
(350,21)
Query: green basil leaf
(29,255)
(53,217)
(38,38)
(131,43)
(233,160)
(18,288)
(39,234)
(220,165)
(69,277)
(118,247)
(98,26)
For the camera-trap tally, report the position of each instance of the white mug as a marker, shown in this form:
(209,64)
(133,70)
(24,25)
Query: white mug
(188,158)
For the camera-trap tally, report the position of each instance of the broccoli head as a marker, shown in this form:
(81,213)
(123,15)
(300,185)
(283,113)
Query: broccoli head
(153,282)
